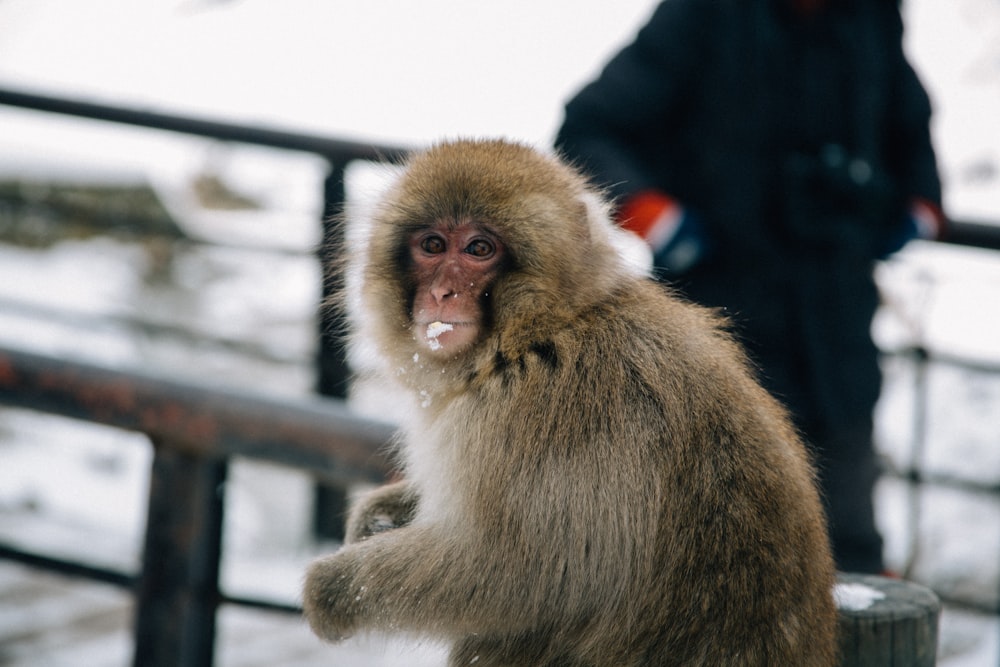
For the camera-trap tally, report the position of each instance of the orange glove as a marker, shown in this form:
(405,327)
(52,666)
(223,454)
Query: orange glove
(673,232)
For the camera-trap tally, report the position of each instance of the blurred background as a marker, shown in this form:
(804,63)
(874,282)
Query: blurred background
(195,259)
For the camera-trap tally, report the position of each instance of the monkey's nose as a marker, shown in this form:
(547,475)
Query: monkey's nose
(442,293)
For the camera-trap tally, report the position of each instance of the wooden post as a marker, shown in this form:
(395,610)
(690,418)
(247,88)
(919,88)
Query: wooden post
(177,593)
(886,622)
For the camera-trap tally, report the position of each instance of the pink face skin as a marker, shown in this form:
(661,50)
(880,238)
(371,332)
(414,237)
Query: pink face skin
(453,268)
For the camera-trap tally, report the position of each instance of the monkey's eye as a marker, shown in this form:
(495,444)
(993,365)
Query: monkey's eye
(481,248)
(432,245)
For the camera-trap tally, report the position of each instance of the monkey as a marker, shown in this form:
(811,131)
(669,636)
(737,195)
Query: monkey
(591,474)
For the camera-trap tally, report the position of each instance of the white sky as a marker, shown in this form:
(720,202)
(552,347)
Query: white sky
(413,72)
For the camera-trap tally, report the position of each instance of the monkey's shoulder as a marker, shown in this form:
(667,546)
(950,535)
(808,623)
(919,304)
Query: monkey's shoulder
(640,333)
(649,320)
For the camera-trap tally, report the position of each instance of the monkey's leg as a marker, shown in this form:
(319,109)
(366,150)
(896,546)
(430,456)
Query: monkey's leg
(387,507)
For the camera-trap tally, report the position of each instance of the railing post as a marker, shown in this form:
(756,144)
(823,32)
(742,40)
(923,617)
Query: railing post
(332,375)
(330,503)
(886,622)
(178,589)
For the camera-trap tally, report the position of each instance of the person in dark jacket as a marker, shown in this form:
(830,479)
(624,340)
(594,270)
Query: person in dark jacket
(770,151)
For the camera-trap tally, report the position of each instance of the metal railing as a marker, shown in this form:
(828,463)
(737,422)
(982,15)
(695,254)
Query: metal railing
(338,154)
(195,431)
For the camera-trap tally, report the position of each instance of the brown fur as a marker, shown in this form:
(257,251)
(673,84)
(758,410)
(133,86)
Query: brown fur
(599,480)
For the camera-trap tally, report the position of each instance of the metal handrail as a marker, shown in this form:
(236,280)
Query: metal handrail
(336,150)
(321,435)
(974,233)
(196,429)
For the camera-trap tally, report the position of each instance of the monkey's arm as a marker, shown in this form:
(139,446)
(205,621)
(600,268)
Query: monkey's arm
(421,578)
(385,508)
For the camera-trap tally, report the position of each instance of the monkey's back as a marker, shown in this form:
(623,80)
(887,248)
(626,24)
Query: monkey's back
(680,502)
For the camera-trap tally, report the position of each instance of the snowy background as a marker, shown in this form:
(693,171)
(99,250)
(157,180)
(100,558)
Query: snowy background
(242,311)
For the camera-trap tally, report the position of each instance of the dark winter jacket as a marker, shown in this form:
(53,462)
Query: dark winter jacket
(798,142)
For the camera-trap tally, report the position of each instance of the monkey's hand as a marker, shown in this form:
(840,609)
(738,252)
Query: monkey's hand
(385,508)
(331,598)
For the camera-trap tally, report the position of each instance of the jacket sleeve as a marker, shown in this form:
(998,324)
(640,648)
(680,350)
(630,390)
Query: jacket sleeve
(911,140)
(910,149)
(611,117)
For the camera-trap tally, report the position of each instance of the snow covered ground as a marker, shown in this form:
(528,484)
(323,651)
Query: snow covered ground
(362,70)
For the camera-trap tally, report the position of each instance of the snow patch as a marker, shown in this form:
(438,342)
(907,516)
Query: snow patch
(435,329)
(856,597)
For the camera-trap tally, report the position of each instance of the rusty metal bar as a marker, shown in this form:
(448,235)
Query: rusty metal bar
(320,435)
(178,590)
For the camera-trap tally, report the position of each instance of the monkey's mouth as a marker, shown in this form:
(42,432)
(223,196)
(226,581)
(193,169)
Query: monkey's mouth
(436,328)
(437,334)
